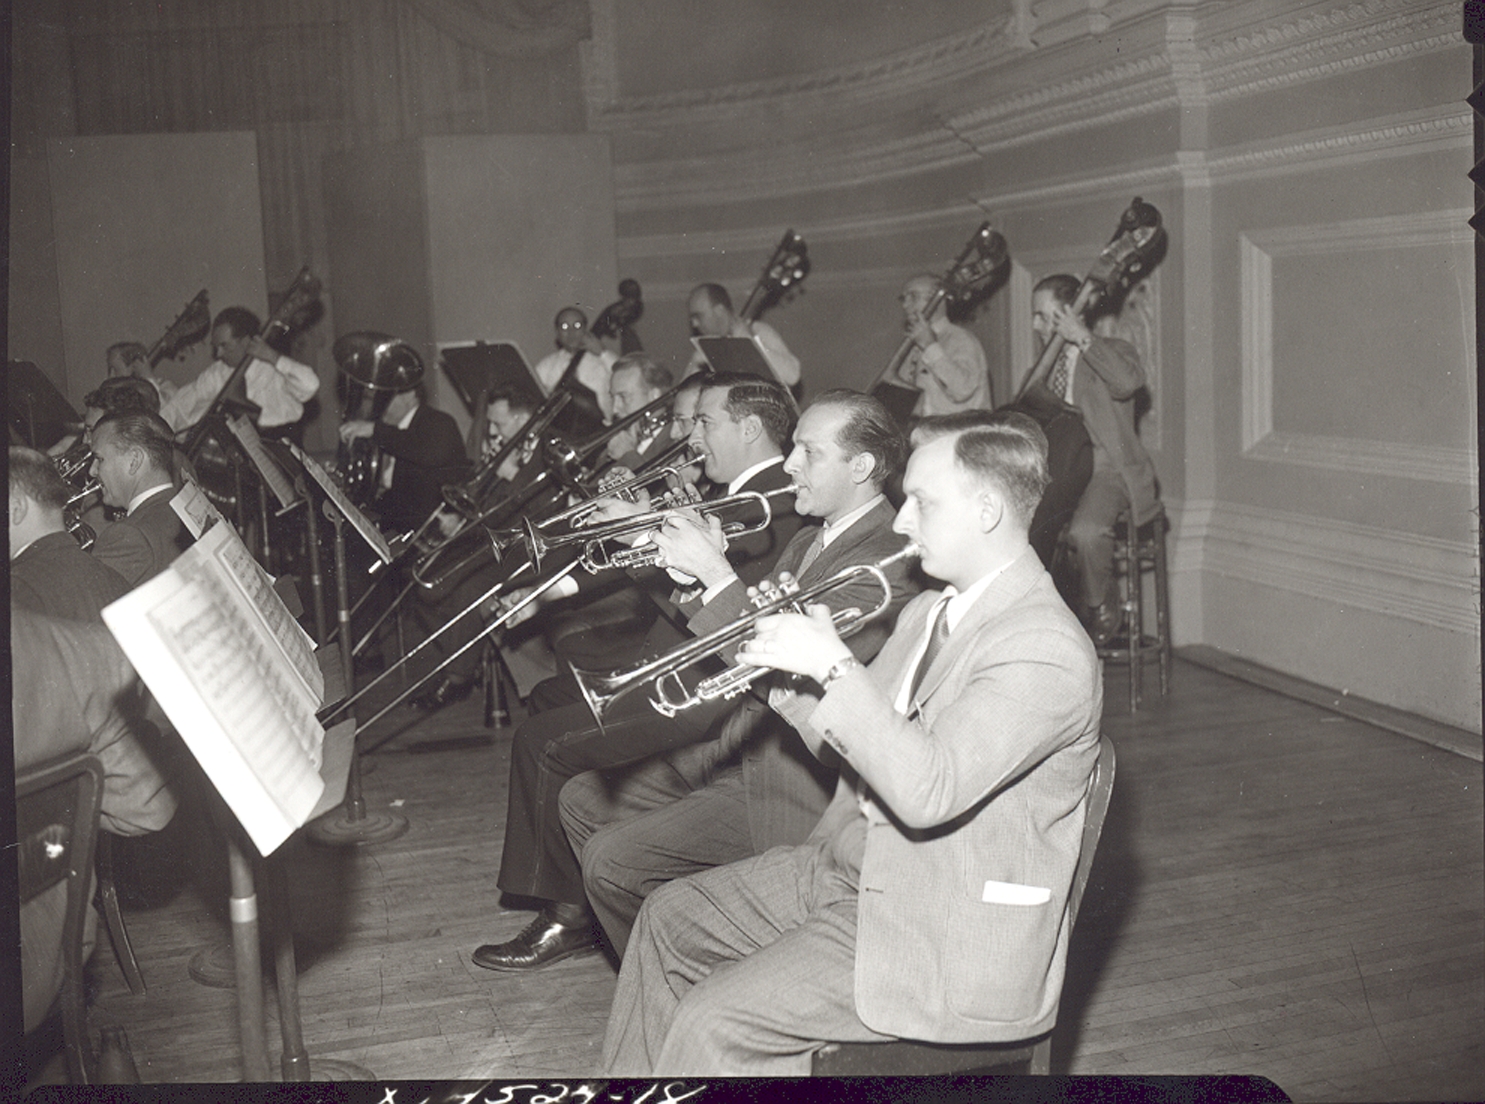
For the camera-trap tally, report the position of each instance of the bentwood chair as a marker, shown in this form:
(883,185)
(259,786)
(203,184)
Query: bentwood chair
(57,807)
(906,1057)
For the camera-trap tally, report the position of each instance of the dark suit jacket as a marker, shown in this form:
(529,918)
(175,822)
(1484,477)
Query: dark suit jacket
(786,787)
(56,577)
(429,454)
(141,545)
(975,817)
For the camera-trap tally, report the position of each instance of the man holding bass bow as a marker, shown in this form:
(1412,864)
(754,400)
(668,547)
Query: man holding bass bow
(930,902)
(1100,376)
(742,426)
(752,784)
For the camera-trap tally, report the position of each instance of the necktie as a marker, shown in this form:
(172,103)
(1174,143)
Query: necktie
(1060,373)
(812,553)
(936,640)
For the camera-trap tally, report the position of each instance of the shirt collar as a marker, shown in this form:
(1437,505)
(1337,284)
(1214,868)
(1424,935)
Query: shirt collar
(408,417)
(138,500)
(832,532)
(961,601)
(740,480)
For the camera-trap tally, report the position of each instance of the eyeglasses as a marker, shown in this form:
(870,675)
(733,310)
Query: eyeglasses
(572,325)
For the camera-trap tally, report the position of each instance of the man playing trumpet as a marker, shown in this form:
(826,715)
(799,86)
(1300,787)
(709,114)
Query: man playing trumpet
(754,785)
(930,902)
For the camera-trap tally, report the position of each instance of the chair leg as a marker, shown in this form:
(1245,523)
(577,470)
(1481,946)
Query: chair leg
(1041,1058)
(113,917)
(1131,625)
(1162,605)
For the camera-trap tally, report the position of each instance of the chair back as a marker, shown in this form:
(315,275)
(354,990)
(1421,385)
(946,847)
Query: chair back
(57,805)
(908,1057)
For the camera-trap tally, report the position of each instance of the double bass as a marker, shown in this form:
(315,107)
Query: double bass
(1137,246)
(984,261)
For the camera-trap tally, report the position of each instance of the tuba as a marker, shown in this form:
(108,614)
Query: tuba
(373,367)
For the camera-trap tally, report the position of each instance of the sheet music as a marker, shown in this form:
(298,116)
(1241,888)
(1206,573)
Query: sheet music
(232,699)
(359,521)
(197,512)
(222,562)
(273,475)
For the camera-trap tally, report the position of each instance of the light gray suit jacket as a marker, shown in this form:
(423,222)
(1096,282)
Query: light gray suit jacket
(975,815)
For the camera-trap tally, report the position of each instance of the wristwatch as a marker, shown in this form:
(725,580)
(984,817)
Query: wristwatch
(840,667)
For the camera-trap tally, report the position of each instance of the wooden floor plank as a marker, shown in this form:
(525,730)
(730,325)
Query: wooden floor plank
(1279,892)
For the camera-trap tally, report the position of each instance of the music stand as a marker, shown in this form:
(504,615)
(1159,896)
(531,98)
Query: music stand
(36,410)
(900,402)
(349,823)
(476,368)
(735,354)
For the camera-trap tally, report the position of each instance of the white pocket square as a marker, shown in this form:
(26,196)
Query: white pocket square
(1009,893)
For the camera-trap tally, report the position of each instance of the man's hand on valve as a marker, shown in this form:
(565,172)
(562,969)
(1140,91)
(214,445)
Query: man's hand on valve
(806,644)
(693,545)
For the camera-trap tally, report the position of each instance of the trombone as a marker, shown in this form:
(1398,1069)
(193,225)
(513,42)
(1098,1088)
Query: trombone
(600,690)
(673,462)
(596,557)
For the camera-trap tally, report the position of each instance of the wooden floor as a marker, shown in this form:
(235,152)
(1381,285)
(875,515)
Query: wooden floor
(1280,891)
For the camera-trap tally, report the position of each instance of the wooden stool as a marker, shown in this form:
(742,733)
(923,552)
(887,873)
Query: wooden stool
(1138,549)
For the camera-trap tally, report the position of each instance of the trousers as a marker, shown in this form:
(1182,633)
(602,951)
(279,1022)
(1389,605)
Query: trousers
(742,970)
(660,819)
(1090,534)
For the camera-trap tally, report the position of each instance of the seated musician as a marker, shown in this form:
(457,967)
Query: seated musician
(279,385)
(742,425)
(130,358)
(1101,377)
(73,691)
(637,381)
(422,451)
(754,784)
(508,408)
(579,357)
(49,572)
(711,313)
(134,464)
(947,365)
(930,901)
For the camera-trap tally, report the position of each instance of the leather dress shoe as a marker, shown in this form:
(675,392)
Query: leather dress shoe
(446,691)
(546,939)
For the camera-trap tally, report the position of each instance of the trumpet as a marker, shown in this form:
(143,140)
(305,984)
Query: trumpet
(668,464)
(596,558)
(73,463)
(600,690)
(81,531)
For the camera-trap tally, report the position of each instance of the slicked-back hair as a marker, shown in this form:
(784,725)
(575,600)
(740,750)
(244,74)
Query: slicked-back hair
(515,395)
(120,393)
(142,430)
(241,321)
(715,294)
(772,404)
(35,475)
(657,377)
(1064,288)
(1010,453)
(932,426)
(868,428)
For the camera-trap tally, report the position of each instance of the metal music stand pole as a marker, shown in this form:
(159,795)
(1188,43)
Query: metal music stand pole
(350,824)
(316,570)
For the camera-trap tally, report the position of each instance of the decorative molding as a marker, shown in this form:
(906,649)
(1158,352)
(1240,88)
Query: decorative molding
(1426,580)
(1447,126)
(926,66)
(1161,67)
(1325,44)
(1259,440)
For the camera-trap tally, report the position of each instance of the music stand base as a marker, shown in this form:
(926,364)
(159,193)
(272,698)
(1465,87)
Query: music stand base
(337,829)
(332,1069)
(214,967)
